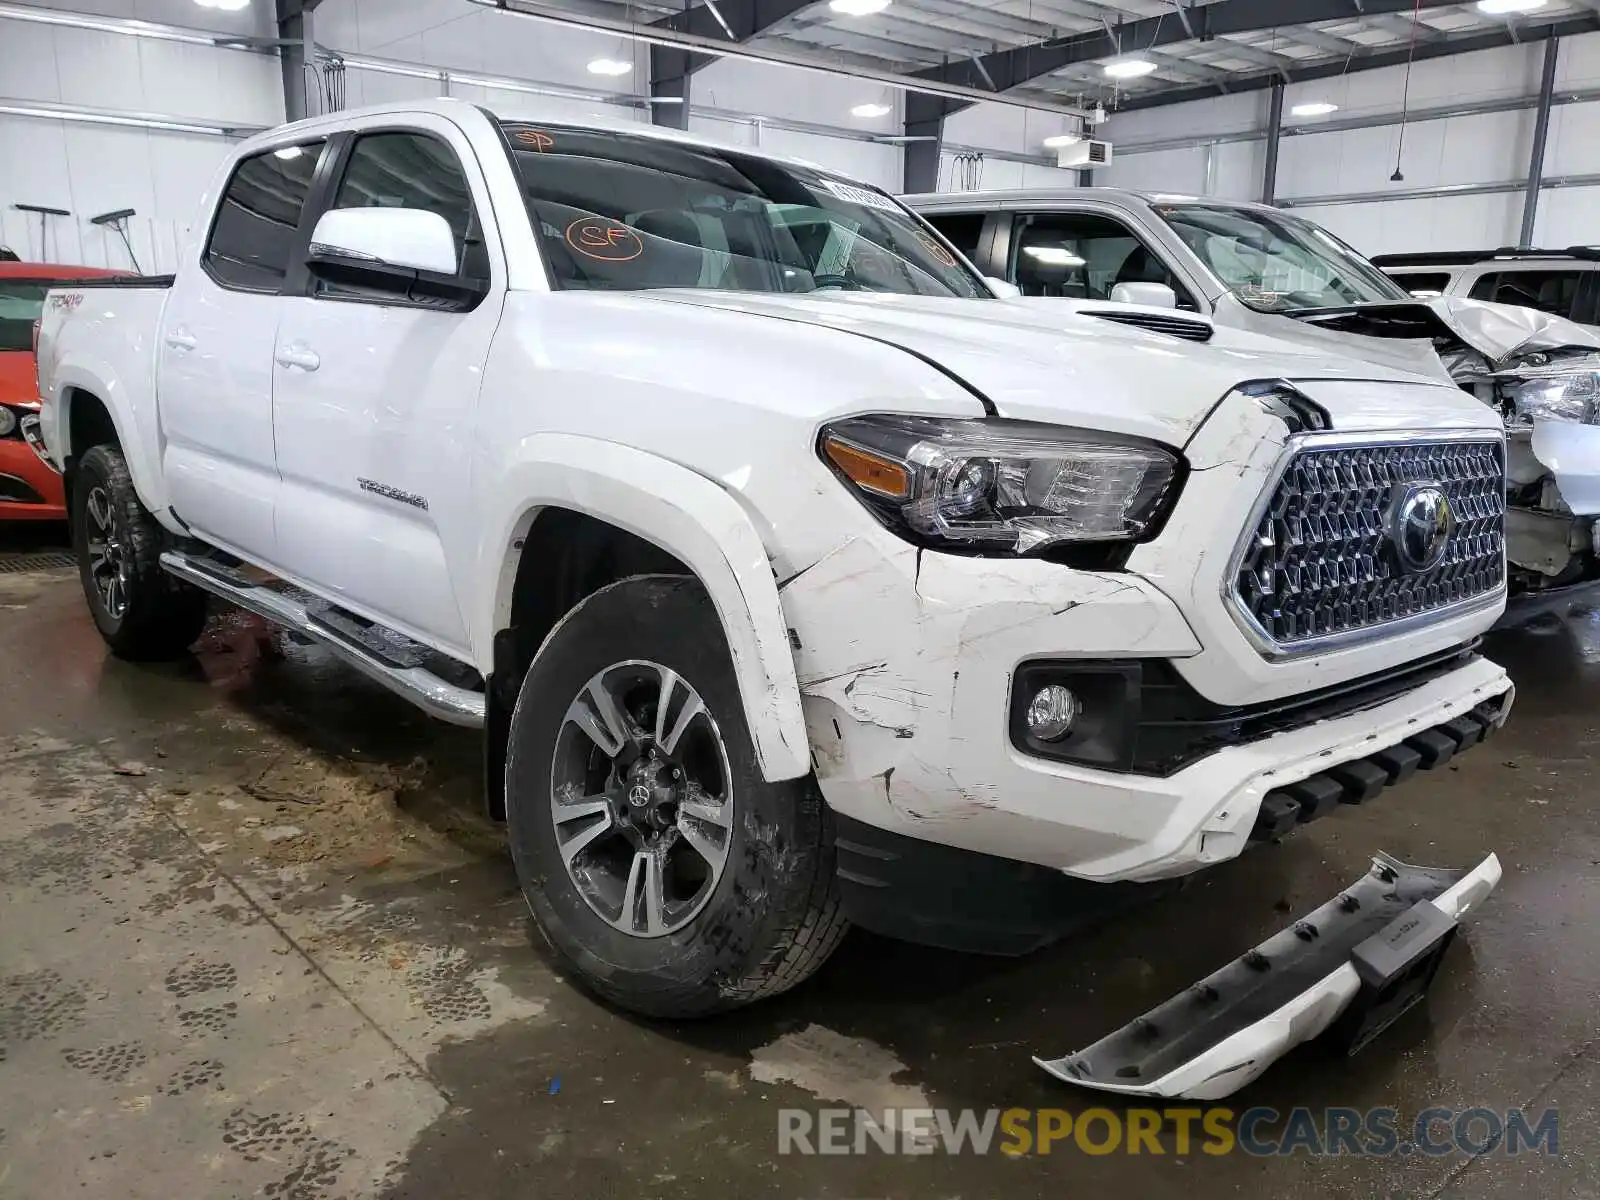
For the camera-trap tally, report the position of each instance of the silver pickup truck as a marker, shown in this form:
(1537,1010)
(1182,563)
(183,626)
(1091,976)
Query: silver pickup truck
(1249,267)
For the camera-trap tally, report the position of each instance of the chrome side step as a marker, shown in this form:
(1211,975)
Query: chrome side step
(313,619)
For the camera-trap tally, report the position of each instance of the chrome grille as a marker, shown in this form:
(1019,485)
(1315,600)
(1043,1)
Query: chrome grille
(1321,566)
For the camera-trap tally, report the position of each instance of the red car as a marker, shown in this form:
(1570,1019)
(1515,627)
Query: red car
(30,490)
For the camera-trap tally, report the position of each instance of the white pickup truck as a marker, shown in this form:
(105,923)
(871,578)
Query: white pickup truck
(794,576)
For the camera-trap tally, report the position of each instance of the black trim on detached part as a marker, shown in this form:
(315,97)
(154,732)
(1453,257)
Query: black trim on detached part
(1360,780)
(1143,718)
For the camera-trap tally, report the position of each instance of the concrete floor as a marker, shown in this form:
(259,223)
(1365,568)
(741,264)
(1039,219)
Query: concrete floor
(255,940)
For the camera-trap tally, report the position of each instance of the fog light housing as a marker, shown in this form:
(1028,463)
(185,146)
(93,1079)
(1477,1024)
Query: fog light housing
(1053,712)
(1084,712)
(8,421)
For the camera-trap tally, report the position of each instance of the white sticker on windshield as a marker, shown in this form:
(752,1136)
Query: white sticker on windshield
(865,197)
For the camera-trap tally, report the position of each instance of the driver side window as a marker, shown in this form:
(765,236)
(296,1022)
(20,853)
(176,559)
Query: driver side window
(1084,256)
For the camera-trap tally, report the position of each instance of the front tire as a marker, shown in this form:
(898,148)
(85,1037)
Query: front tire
(655,859)
(142,612)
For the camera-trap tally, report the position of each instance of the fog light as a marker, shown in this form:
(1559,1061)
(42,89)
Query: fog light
(8,421)
(1052,713)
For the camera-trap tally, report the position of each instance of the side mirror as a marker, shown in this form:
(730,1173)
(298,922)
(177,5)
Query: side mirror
(1002,289)
(406,251)
(1151,295)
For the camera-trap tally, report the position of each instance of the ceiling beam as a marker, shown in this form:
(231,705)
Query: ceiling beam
(1404,27)
(1257,54)
(733,20)
(1011,68)
(1369,60)
(1326,42)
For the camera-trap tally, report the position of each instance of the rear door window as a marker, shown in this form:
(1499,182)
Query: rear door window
(1553,292)
(1425,285)
(253,237)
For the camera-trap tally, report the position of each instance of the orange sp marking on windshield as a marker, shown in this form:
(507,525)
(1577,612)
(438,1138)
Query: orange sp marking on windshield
(539,140)
(939,252)
(595,237)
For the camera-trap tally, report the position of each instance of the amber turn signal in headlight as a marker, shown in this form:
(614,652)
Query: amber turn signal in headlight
(867,470)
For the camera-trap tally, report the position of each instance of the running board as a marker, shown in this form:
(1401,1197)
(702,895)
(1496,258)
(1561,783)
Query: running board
(1358,962)
(343,636)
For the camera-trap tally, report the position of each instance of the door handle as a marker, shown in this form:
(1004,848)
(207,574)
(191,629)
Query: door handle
(179,340)
(298,356)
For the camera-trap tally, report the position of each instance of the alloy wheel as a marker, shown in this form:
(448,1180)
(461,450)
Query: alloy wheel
(641,798)
(109,556)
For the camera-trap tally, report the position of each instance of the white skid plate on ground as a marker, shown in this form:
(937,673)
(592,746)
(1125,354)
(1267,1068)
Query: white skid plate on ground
(1367,955)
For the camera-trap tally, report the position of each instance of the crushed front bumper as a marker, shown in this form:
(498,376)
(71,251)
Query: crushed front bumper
(1366,955)
(906,661)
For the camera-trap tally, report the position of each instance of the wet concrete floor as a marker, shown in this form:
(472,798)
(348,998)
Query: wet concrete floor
(256,939)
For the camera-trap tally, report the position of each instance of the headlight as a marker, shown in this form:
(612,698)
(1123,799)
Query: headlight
(8,421)
(1564,390)
(1002,487)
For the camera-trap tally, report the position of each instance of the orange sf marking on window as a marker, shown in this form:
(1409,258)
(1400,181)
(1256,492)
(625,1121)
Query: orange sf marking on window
(595,237)
(539,141)
(939,252)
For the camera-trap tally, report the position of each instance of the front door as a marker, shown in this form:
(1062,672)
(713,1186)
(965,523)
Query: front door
(374,397)
(215,354)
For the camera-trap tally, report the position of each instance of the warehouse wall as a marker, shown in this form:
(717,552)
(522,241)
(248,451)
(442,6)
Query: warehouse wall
(90,169)
(1475,149)
(1001,127)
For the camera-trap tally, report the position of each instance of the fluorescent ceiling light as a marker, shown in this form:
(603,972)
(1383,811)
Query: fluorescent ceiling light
(870,110)
(288,152)
(1129,68)
(1063,139)
(224,5)
(1053,256)
(1500,8)
(1314,108)
(858,8)
(92,116)
(609,66)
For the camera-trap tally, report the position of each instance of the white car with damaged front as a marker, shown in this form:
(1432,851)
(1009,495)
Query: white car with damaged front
(1250,269)
(794,579)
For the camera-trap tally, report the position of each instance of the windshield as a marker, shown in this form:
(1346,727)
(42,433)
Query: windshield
(621,212)
(20,306)
(1274,262)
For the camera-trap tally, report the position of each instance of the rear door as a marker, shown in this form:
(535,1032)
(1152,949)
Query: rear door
(374,396)
(215,353)
(1565,291)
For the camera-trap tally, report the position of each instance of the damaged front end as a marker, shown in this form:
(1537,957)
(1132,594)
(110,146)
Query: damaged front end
(1542,374)
(1354,966)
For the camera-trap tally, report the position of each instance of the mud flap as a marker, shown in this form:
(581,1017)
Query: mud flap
(1359,961)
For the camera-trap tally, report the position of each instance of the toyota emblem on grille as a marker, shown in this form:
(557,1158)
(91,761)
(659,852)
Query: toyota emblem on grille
(1420,524)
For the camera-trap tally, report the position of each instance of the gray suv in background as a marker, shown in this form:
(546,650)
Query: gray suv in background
(1564,283)
(1257,268)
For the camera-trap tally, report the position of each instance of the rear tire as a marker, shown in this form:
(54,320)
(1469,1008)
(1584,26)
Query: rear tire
(144,614)
(745,903)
